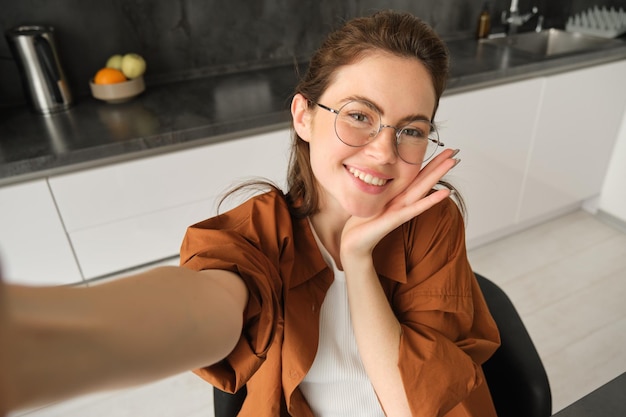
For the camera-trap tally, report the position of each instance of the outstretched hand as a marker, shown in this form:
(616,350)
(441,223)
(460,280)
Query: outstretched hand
(360,235)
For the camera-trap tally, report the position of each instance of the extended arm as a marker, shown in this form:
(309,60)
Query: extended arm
(64,341)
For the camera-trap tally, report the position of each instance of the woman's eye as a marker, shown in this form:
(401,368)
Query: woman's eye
(360,117)
(413,133)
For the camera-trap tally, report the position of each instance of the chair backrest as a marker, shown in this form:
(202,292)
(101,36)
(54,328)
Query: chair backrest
(517,379)
(226,404)
(515,373)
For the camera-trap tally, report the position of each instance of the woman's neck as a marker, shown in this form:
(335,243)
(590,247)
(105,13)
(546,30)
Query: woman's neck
(328,227)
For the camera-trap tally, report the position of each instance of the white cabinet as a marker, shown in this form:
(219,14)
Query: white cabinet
(493,128)
(528,149)
(577,127)
(613,197)
(128,214)
(532,149)
(34,248)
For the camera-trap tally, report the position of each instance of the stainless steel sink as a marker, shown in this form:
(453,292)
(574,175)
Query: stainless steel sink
(551,42)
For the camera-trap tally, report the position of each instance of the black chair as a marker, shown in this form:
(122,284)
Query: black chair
(517,379)
(516,376)
(226,404)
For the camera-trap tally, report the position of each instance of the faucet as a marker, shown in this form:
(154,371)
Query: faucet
(513,19)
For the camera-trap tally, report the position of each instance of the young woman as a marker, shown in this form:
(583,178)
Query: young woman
(349,295)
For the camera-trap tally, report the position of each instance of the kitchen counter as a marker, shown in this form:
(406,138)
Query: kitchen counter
(197,112)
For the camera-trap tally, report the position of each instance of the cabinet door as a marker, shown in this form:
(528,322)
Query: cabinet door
(493,128)
(577,127)
(34,248)
(613,197)
(128,214)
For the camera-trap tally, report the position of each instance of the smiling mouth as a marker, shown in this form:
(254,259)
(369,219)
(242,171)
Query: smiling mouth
(367,178)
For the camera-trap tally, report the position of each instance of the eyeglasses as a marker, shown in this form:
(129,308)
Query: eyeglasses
(357,123)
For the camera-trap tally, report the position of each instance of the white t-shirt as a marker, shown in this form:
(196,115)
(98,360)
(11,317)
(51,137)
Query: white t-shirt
(337,384)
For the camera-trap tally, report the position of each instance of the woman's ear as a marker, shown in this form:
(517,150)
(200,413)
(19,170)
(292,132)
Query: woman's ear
(301,116)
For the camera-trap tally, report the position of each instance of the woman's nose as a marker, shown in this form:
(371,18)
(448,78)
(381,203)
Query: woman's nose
(383,147)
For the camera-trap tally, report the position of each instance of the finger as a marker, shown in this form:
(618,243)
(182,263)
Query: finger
(431,199)
(418,207)
(425,181)
(443,156)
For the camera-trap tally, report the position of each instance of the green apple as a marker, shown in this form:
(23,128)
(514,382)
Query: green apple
(133,65)
(115,61)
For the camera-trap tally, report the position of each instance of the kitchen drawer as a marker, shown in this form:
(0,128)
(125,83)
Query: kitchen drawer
(133,213)
(140,240)
(34,248)
(117,192)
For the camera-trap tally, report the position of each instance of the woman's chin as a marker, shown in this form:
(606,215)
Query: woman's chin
(364,211)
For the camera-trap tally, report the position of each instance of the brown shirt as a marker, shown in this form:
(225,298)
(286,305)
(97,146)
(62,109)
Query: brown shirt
(423,268)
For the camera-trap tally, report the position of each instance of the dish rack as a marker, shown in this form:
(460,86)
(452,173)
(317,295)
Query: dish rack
(602,22)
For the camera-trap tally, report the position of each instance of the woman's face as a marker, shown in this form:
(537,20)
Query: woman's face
(360,181)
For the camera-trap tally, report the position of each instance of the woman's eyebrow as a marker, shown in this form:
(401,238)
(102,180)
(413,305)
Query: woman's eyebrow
(406,119)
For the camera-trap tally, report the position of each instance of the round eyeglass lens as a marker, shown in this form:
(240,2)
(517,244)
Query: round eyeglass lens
(417,142)
(357,123)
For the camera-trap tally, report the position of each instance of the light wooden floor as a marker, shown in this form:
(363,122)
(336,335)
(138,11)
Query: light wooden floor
(567,278)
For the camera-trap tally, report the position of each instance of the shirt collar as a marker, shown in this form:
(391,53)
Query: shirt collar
(308,260)
(389,255)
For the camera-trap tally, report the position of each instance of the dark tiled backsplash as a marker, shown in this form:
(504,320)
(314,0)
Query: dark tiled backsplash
(190,38)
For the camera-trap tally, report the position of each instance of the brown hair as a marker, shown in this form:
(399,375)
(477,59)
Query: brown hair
(400,34)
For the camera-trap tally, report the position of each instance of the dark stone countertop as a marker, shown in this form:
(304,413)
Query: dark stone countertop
(196,112)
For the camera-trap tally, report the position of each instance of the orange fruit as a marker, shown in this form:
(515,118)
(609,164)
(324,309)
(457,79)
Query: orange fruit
(109,76)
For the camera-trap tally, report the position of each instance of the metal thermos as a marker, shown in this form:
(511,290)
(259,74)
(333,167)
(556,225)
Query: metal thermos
(36,55)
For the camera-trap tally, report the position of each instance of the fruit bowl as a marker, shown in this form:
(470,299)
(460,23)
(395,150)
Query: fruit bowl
(118,92)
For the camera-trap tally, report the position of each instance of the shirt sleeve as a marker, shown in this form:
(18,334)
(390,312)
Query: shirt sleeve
(447,331)
(233,242)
